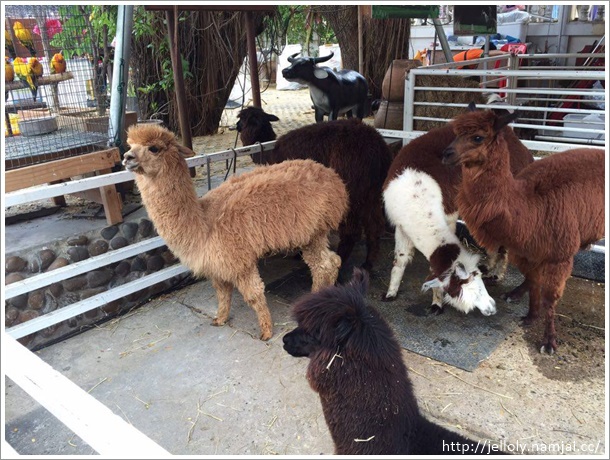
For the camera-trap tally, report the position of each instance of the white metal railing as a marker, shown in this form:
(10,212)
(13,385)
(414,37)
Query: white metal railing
(69,271)
(563,105)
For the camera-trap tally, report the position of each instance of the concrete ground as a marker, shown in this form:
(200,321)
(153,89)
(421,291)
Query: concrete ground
(197,390)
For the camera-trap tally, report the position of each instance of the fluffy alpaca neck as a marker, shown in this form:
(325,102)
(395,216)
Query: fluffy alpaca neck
(174,208)
(490,196)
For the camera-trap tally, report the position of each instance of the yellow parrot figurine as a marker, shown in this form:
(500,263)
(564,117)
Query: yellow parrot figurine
(35,71)
(24,36)
(21,68)
(58,63)
(28,71)
(8,45)
(9,72)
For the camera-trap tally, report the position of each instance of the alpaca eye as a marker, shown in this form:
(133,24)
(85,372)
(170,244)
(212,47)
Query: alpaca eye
(153,149)
(477,139)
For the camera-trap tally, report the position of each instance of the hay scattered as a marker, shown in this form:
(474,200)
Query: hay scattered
(336,355)
(477,386)
(370,438)
(504,407)
(139,346)
(418,373)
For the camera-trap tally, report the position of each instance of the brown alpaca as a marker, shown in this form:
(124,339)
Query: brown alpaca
(543,216)
(223,234)
(355,150)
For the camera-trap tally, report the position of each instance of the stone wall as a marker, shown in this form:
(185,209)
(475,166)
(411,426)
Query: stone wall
(58,254)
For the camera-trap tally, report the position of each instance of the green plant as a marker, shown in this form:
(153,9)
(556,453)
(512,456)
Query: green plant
(297,24)
(144,29)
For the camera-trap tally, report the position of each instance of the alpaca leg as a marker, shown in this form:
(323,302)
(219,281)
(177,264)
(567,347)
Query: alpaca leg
(403,253)
(224,291)
(349,233)
(322,262)
(437,301)
(533,280)
(517,293)
(252,289)
(554,282)
(374,226)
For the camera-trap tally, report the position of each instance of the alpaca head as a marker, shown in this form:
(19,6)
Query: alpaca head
(477,137)
(153,149)
(254,125)
(333,318)
(462,285)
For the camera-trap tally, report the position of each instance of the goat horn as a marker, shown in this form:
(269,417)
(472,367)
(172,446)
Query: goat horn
(291,58)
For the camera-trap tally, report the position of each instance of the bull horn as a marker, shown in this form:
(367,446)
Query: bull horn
(323,58)
(291,58)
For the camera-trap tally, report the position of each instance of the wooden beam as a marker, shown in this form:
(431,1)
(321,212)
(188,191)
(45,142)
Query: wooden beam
(53,171)
(211,8)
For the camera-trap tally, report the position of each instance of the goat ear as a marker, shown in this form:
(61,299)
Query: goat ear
(472,107)
(433,283)
(503,120)
(185,151)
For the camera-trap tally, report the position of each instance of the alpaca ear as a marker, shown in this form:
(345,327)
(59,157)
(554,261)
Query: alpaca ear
(185,151)
(472,107)
(271,117)
(360,281)
(433,283)
(343,330)
(505,119)
(461,272)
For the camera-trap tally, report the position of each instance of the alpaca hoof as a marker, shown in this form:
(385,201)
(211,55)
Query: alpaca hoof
(217,322)
(527,320)
(388,298)
(548,348)
(435,310)
(266,335)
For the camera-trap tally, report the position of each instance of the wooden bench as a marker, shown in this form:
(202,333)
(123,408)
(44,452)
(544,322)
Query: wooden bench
(57,171)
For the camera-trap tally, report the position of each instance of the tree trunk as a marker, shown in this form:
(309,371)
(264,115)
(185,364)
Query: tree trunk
(212,45)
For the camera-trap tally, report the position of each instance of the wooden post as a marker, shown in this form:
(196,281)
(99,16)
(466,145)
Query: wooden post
(111,199)
(256,92)
(171,15)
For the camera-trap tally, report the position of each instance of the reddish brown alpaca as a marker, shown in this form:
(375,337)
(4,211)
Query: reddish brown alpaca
(544,215)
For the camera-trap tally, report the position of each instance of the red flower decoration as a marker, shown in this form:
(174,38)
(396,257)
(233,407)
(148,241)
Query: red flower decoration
(53,27)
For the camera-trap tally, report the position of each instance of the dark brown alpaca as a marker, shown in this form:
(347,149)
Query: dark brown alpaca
(355,150)
(356,367)
(543,216)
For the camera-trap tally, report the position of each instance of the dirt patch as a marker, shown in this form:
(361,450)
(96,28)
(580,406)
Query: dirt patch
(580,320)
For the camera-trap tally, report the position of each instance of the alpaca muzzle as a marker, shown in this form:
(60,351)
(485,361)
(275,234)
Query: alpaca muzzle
(130,162)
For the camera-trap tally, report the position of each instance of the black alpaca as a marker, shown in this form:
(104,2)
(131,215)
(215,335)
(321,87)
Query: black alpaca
(357,369)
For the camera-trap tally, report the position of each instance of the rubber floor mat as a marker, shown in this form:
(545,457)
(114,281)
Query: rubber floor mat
(454,338)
